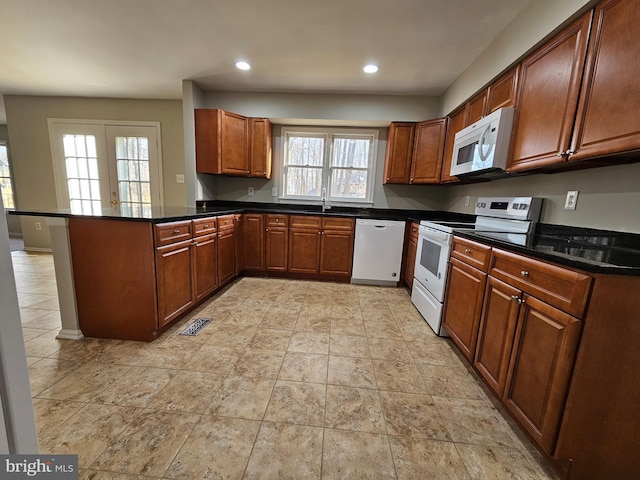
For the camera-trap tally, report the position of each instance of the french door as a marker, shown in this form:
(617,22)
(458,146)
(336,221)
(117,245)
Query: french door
(104,165)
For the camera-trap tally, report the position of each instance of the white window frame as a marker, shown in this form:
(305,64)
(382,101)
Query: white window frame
(329,134)
(3,143)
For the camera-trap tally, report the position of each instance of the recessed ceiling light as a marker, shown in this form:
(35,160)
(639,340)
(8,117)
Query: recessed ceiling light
(371,68)
(242,65)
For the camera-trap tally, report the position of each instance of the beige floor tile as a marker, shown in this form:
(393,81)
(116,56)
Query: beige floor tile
(422,458)
(351,371)
(31,333)
(83,350)
(349,346)
(286,452)
(499,463)
(271,339)
(279,321)
(187,391)
(214,359)
(436,351)
(351,408)
(31,314)
(312,323)
(372,314)
(413,414)
(94,475)
(383,329)
(309,342)
(297,402)
(475,421)
(346,310)
(43,345)
(254,362)
(444,381)
(45,372)
(348,454)
(149,443)
(315,309)
(398,376)
(390,349)
(31,300)
(49,321)
(287,306)
(231,336)
(242,397)
(89,432)
(50,414)
(304,367)
(348,326)
(85,383)
(218,447)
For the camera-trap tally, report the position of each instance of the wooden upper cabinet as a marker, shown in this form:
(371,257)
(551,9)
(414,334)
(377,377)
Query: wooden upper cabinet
(428,150)
(260,151)
(476,108)
(457,121)
(222,142)
(503,92)
(608,121)
(397,161)
(548,98)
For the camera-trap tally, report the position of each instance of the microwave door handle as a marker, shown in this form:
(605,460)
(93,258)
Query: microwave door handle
(483,157)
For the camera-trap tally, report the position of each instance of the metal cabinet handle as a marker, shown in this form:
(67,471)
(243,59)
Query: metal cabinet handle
(266,229)
(524,273)
(176,232)
(516,298)
(467,250)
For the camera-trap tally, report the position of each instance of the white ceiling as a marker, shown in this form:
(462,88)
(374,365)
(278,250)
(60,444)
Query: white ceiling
(145,48)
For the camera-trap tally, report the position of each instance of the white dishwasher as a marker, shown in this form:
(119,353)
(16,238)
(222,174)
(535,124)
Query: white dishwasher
(377,252)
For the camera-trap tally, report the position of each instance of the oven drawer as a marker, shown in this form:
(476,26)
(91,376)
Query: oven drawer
(429,307)
(471,253)
(558,286)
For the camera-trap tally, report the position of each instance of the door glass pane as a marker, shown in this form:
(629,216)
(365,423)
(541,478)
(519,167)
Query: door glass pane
(81,169)
(134,181)
(430,256)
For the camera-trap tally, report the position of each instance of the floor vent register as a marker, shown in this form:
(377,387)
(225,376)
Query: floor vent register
(195,328)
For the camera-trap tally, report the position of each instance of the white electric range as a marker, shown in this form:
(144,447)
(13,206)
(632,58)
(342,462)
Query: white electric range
(513,215)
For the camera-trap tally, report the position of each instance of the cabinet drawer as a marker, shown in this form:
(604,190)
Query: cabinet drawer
(472,253)
(166,233)
(204,226)
(305,221)
(337,223)
(558,286)
(274,220)
(225,222)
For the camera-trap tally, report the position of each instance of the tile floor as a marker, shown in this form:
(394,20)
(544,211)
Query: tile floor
(292,379)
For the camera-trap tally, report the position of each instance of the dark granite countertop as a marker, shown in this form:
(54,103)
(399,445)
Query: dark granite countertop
(592,250)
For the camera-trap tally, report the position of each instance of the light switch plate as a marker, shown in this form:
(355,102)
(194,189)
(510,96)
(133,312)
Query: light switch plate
(250,191)
(179,178)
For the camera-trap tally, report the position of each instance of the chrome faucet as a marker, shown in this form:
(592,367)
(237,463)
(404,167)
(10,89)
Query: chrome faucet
(323,201)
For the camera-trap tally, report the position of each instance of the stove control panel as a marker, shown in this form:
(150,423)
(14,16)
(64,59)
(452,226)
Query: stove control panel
(516,208)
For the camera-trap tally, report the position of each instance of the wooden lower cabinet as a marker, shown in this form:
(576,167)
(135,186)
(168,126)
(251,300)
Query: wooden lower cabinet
(495,335)
(173,272)
(253,242)
(336,252)
(464,305)
(226,255)
(276,249)
(545,346)
(205,266)
(238,226)
(411,247)
(304,250)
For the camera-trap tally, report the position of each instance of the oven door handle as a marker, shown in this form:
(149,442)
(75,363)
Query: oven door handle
(443,238)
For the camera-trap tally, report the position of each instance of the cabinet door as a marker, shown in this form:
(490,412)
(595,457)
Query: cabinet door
(277,246)
(173,270)
(336,252)
(397,161)
(234,144)
(457,121)
(253,241)
(260,151)
(548,99)
(205,266)
(608,120)
(226,256)
(410,256)
(238,226)
(304,250)
(543,353)
(207,137)
(463,305)
(476,107)
(495,337)
(428,150)
(503,92)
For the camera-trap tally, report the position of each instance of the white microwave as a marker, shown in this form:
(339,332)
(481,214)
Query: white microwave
(484,145)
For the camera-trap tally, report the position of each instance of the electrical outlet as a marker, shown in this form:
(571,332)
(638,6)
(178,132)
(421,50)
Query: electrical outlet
(572,200)
(466,200)
(179,178)
(274,191)
(38,226)
(250,191)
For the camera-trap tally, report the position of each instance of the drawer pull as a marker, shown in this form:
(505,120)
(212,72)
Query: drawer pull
(176,232)
(524,273)
(205,226)
(516,298)
(467,250)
